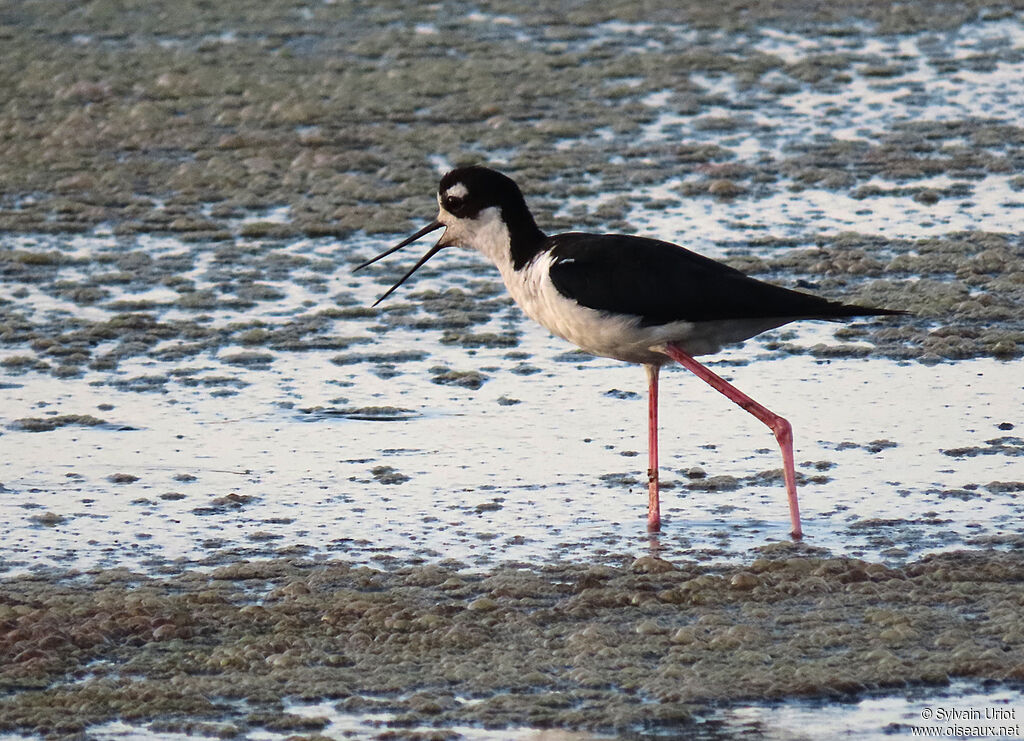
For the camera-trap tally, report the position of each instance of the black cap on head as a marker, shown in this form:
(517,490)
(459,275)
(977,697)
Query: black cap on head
(466,191)
(481,187)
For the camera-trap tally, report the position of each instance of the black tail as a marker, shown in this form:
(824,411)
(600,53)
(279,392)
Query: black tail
(845,310)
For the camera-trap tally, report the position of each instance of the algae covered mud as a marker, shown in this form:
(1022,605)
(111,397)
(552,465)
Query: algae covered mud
(237,501)
(276,647)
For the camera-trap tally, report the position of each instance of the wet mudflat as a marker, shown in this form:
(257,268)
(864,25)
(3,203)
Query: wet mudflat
(239,501)
(641,647)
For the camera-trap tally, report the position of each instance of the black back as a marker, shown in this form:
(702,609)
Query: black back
(663,282)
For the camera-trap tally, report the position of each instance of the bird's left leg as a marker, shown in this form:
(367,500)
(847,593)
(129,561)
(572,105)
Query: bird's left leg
(782,429)
(653,496)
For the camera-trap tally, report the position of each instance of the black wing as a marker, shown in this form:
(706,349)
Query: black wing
(663,282)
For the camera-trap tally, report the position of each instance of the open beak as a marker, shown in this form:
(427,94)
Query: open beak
(430,253)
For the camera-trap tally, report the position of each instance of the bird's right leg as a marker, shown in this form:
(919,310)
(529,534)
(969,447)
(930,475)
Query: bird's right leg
(782,429)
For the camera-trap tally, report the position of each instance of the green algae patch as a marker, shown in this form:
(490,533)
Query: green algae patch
(46,424)
(642,645)
(253,110)
(237,131)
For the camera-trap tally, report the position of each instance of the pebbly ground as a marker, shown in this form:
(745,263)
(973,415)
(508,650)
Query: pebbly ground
(640,648)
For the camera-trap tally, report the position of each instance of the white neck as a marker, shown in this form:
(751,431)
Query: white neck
(487,234)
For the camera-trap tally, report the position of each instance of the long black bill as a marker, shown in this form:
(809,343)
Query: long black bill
(421,233)
(433,251)
(430,253)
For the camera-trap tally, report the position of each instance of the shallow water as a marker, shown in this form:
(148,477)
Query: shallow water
(865,720)
(558,474)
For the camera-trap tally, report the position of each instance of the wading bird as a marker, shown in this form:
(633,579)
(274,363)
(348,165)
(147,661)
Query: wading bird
(631,298)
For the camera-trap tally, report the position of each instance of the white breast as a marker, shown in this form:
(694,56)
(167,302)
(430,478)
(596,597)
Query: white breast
(598,332)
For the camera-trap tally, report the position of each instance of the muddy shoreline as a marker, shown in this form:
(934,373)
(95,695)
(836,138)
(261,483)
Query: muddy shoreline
(636,648)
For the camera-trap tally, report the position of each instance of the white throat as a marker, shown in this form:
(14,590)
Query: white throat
(487,234)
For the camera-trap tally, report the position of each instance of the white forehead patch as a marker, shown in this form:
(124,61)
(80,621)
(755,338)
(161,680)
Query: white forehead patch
(456,191)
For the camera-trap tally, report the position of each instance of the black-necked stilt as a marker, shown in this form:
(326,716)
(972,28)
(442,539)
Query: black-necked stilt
(631,298)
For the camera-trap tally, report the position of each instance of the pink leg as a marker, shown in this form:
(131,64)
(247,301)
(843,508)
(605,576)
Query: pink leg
(653,498)
(782,429)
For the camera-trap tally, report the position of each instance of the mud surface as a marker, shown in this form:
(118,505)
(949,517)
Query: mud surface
(639,648)
(237,500)
(234,128)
